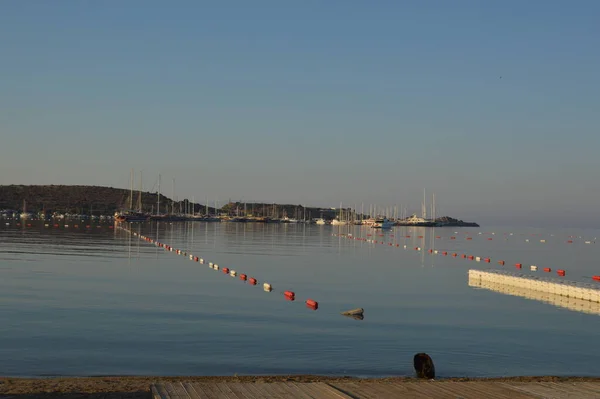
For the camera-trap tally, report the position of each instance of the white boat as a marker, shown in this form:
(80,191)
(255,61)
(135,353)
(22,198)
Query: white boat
(383,224)
(320,221)
(339,221)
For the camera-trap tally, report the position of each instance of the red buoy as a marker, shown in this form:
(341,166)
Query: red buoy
(455,254)
(430,251)
(570,242)
(518,265)
(547,269)
(312,304)
(291,294)
(196,259)
(471,257)
(453,238)
(597,278)
(252,281)
(445,253)
(463,256)
(469,238)
(225,270)
(501,262)
(489,238)
(420,237)
(243,277)
(488,260)
(561,272)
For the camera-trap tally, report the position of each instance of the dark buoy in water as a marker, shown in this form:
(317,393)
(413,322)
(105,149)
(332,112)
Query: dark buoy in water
(424,366)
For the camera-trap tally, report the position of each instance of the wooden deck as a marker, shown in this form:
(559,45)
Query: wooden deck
(379,390)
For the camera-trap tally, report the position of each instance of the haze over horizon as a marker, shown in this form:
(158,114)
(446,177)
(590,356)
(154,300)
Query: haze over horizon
(492,106)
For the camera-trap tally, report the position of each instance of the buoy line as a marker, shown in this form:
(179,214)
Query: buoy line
(533,268)
(267,287)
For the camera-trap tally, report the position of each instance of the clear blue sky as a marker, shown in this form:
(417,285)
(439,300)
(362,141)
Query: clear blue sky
(492,105)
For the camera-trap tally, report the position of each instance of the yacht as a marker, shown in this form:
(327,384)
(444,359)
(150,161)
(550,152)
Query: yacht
(320,221)
(414,220)
(383,223)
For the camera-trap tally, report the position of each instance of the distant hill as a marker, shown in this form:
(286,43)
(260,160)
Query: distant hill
(107,200)
(74,199)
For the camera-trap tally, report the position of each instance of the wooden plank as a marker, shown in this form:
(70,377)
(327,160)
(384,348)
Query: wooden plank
(226,391)
(283,390)
(176,391)
(554,390)
(321,390)
(269,391)
(209,390)
(192,392)
(365,390)
(296,391)
(254,390)
(332,392)
(240,390)
(158,392)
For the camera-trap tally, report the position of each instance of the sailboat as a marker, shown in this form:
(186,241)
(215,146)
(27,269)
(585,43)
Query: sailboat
(339,221)
(131,215)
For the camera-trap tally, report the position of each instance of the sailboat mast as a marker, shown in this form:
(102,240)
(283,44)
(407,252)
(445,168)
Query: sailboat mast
(424,206)
(158,199)
(173,198)
(140,194)
(131,188)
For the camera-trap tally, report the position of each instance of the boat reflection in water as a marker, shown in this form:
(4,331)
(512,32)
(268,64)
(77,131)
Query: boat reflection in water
(574,304)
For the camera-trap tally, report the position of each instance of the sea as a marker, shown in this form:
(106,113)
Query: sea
(81,298)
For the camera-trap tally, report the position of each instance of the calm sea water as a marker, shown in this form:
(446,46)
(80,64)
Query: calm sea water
(98,301)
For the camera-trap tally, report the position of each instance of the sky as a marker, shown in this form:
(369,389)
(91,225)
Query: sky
(493,106)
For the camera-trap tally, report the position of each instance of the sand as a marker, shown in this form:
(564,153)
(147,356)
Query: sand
(139,387)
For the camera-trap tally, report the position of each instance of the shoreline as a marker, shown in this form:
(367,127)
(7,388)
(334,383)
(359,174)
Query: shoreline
(134,387)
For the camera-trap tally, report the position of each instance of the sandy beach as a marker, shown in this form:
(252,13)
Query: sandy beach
(139,387)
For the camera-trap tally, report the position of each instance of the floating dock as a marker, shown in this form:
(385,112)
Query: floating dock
(582,297)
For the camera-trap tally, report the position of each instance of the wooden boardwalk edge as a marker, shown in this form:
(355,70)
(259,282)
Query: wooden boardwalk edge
(383,390)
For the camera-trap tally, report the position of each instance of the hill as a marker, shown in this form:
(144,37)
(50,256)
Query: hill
(74,199)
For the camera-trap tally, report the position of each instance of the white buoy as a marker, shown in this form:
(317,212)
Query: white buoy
(533,268)
(201,261)
(267,287)
(216,267)
(232,273)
